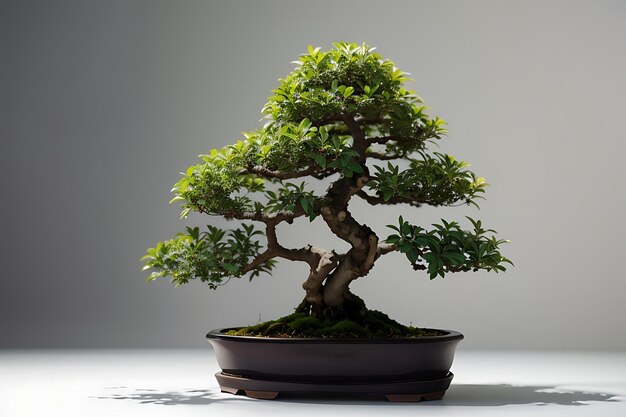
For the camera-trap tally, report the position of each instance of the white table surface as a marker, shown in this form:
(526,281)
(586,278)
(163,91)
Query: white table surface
(154,383)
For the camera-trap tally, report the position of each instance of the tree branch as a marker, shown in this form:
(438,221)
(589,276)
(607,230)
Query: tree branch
(260,217)
(374,200)
(335,118)
(369,120)
(384,139)
(274,249)
(331,118)
(320,175)
(385,248)
(360,144)
(381,156)
(283,175)
(321,263)
(259,260)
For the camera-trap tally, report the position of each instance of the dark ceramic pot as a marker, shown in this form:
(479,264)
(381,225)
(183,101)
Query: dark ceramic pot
(409,369)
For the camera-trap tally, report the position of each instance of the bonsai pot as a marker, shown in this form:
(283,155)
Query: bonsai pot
(340,117)
(400,369)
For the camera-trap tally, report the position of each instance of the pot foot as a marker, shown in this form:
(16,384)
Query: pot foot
(413,398)
(261,395)
(229,390)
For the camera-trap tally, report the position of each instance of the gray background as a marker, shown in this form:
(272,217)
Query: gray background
(102,104)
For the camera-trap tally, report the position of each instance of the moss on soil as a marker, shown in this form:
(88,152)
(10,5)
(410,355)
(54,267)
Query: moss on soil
(375,324)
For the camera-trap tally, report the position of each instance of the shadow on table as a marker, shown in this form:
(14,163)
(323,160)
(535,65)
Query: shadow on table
(498,395)
(153,396)
(457,395)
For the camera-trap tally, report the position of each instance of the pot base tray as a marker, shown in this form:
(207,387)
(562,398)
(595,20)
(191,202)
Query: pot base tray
(410,391)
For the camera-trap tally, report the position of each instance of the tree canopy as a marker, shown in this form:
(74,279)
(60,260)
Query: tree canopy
(344,117)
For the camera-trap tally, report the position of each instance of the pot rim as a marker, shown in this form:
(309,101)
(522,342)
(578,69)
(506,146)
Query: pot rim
(220,334)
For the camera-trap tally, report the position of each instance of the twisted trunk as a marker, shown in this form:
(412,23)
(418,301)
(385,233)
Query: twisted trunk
(327,287)
(358,261)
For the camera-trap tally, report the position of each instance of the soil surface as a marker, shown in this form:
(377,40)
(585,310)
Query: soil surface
(374,324)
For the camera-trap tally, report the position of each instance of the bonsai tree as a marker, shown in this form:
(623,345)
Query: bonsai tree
(342,117)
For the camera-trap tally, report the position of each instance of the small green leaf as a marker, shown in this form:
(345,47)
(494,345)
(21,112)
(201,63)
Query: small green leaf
(392,239)
(405,228)
(323,133)
(456,258)
(355,167)
(175,199)
(184,213)
(306,204)
(320,160)
(231,268)
(412,255)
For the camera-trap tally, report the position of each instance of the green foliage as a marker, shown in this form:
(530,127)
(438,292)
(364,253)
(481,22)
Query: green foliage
(213,187)
(306,133)
(225,181)
(353,79)
(411,128)
(211,256)
(439,180)
(331,116)
(288,197)
(448,248)
(349,78)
